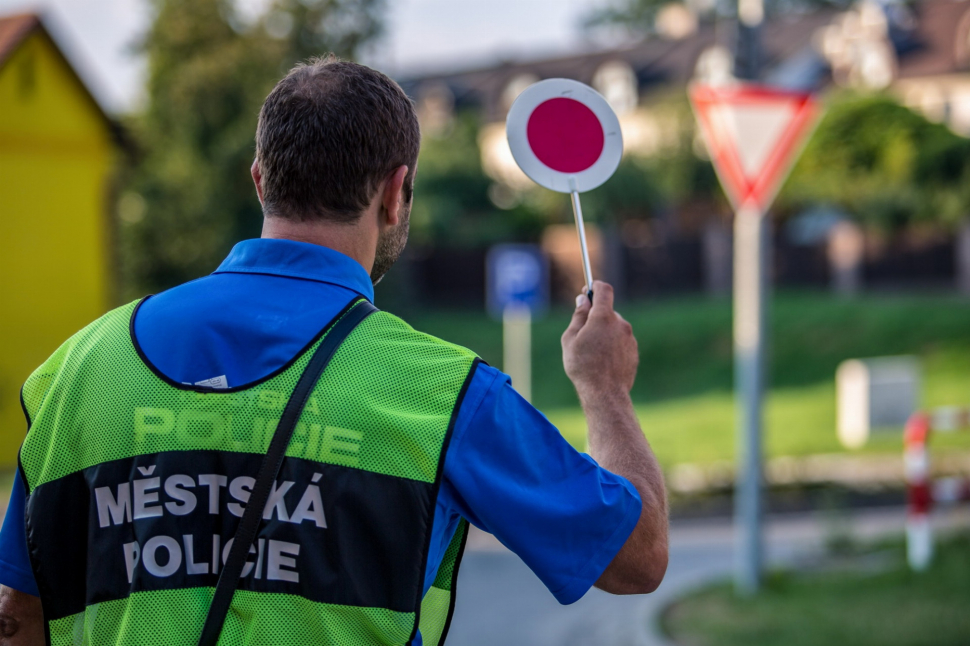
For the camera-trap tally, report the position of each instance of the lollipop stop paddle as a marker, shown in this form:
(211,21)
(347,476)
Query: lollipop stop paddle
(565,137)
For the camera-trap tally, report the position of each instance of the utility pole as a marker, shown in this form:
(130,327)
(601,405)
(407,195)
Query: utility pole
(748,54)
(751,251)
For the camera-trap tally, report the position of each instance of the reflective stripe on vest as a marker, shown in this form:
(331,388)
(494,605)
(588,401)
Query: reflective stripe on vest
(136,484)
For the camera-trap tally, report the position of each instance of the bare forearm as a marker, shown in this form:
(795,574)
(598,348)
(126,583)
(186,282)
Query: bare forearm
(617,442)
(601,356)
(21,619)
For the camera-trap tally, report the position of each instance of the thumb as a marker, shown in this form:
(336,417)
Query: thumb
(602,298)
(579,317)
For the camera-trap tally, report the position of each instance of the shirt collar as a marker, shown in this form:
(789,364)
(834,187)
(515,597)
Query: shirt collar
(293,259)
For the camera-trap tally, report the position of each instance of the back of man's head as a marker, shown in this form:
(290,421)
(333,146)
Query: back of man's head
(329,133)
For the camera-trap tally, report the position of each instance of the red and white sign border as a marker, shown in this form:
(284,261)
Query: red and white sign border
(757,195)
(516,126)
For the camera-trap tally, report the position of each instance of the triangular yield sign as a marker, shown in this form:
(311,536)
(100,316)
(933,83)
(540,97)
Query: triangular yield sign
(753,135)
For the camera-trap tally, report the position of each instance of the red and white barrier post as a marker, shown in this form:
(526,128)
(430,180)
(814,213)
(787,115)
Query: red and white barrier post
(916,457)
(923,492)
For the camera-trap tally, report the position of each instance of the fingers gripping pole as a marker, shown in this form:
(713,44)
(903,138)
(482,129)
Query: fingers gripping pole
(581,230)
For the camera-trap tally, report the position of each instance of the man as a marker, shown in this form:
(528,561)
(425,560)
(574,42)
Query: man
(148,428)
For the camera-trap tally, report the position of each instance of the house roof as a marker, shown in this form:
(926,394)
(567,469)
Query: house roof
(655,61)
(13,30)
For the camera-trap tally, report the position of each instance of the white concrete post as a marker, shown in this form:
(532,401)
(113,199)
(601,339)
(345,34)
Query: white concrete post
(517,348)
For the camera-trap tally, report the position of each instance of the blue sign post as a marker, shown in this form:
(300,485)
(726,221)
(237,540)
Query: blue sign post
(517,289)
(517,276)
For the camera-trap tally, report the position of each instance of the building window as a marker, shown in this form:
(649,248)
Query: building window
(617,82)
(962,41)
(515,87)
(435,108)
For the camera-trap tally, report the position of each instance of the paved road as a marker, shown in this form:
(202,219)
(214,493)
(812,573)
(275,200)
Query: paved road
(501,603)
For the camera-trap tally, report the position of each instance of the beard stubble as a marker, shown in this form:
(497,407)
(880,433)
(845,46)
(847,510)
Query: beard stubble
(390,245)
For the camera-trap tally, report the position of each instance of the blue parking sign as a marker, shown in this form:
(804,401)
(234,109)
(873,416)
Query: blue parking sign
(517,274)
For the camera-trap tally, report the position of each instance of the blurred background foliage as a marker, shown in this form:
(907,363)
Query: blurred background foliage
(185,195)
(454,198)
(884,164)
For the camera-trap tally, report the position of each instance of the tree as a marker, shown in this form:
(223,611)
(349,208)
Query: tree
(188,196)
(451,192)
(636,16)
(884,164)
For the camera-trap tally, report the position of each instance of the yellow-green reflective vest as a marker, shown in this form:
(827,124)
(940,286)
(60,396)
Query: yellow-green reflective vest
(136,485)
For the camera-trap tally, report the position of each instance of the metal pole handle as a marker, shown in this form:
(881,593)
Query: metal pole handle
(581,230)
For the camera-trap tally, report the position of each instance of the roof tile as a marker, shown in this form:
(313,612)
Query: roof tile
(13,30)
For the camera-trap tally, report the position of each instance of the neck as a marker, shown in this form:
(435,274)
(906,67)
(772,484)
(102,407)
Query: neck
(355,239)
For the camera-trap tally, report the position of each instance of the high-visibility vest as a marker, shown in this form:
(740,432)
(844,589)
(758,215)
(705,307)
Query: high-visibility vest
(136,485)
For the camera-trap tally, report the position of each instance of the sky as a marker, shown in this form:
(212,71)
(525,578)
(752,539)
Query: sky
(422,35)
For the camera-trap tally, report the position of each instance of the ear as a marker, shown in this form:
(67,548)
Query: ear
(257,179)
(393,198)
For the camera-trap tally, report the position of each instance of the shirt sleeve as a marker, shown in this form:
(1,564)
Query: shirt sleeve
(15,571)
(509,471)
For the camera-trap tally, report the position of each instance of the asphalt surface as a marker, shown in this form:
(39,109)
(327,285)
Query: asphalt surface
(501,603)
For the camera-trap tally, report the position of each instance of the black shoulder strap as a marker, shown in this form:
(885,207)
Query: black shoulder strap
(270,468)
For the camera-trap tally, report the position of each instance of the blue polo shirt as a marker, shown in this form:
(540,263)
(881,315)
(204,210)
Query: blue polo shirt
(507,469)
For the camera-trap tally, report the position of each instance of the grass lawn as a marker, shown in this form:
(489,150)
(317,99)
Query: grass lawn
(838,608)
(683,390)
(798,421)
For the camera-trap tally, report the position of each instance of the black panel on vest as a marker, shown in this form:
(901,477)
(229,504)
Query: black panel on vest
(369,553)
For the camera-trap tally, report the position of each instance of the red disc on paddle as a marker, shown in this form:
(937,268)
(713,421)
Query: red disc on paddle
(565,135)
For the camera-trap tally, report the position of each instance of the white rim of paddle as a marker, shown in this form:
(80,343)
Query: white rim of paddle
(517,123)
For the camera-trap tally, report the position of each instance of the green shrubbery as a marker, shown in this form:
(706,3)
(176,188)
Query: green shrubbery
(850,606)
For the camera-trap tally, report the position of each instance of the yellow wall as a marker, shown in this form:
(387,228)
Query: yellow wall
(55,156)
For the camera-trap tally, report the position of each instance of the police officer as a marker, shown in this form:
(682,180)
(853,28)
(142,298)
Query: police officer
(262,457)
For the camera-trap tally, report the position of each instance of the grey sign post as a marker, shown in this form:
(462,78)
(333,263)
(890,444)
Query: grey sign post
(751,248)
(753,134)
